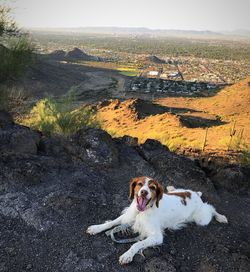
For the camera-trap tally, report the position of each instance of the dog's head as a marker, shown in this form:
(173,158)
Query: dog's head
(146,191)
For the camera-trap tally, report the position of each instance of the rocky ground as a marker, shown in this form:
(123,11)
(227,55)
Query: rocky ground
(53,188)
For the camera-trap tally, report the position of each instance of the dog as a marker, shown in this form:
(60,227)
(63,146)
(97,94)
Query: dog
(152,211)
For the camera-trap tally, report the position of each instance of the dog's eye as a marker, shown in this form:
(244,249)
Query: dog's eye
(139,184)
(152,187)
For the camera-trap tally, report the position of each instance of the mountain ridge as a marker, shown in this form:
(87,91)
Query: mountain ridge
(149,31)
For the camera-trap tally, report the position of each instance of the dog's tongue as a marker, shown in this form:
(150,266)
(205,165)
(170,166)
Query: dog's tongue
(141,203)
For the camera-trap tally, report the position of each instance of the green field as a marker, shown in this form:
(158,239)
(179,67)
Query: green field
(128,73)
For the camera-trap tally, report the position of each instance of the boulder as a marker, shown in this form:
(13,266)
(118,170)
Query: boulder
(96,146)
(16,138)
(6,120)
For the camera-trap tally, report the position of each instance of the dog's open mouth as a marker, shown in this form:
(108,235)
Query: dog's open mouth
(142,203)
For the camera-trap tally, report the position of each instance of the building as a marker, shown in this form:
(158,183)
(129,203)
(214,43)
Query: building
(153,73)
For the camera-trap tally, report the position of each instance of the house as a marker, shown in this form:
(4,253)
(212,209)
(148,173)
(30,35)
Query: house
(153,73)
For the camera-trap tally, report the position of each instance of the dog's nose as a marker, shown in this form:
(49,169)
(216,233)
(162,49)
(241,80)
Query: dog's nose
(144,193)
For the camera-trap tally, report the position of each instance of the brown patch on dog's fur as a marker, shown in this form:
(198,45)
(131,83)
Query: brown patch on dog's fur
(156,191)
(135,187)
(183,195)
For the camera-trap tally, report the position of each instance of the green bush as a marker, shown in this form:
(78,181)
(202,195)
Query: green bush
(15,47)
(8,26)
(57,116)
(15,58)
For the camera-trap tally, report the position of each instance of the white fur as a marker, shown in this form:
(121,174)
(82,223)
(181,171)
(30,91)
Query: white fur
(146,188)
(150,224)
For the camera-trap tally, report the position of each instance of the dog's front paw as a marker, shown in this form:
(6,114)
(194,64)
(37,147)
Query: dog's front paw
(92,230)
(126,258)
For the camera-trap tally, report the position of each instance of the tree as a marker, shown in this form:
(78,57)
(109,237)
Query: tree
(8,26)
(15,47)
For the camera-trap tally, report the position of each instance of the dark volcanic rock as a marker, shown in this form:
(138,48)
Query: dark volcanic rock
(60,147)
(96,146)
(130,141)
(233,179)
(53,188)
(16,138)
(159,265)
(175,170)
(6,120)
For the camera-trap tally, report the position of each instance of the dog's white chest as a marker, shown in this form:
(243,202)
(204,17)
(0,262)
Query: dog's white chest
(144,223)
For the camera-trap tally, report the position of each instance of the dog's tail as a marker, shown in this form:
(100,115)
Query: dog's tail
(220,218)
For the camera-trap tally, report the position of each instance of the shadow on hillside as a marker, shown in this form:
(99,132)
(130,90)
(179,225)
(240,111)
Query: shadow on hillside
(199,122)
(55,78)
(146,108)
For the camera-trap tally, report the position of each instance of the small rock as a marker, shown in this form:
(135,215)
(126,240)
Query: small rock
(29,266)
(159,265)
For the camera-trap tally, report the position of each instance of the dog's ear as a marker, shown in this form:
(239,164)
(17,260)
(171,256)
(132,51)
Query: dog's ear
(159,193)
(132,188)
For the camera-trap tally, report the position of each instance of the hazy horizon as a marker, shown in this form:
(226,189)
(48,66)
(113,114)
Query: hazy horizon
(136,27)
(200,15)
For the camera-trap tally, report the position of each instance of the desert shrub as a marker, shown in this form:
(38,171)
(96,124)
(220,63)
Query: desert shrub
(57,116)
(15,47)
(245,156)
(7,24)
(15,58)
(13,99)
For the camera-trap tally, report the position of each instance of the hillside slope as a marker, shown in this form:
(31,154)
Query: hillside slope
(232,100)
(182,122)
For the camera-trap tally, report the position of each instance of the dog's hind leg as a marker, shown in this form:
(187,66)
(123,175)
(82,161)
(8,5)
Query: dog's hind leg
(205,214)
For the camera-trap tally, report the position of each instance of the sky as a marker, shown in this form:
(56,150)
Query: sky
(214,15)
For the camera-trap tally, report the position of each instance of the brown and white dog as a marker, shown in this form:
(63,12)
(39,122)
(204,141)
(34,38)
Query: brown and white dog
(152,211)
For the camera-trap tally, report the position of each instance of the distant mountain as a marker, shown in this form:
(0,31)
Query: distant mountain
(238,32)
(74,54)
(153,59)
(141,31)
(78,54)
